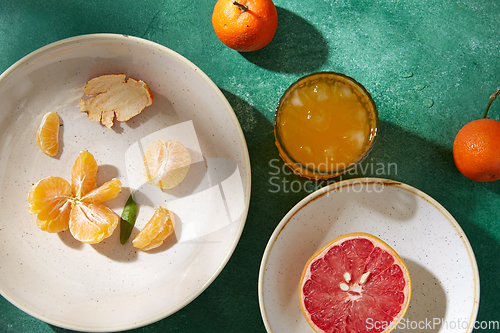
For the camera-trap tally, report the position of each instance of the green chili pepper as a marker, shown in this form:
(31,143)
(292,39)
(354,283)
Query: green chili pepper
(127,221)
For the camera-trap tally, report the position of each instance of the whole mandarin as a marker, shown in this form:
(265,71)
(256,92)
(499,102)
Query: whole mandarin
(476,150)
(246,25)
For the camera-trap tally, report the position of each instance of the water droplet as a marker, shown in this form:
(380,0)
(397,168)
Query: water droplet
(428,102)
(406,74)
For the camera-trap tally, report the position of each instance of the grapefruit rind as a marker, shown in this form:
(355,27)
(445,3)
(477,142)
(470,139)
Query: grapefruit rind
(306,274)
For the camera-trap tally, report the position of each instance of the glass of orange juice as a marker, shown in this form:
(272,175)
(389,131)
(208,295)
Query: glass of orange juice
(325,124)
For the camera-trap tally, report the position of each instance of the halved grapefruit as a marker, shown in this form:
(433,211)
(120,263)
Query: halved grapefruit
(355,283)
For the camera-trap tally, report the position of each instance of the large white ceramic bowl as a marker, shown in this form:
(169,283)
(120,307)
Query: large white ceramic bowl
(109,286)
(443,270)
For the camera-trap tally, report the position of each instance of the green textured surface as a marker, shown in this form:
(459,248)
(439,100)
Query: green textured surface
(430,67)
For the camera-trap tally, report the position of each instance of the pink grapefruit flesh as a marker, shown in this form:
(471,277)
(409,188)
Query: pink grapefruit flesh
(355,283)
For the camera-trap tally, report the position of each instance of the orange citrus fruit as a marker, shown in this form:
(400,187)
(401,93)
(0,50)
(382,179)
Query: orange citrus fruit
(159,227)
(105,192)
(355,283)
(476,150)
(60,205)
(245,25)
(91,223)
(47,135)
(84,174)
(166,164)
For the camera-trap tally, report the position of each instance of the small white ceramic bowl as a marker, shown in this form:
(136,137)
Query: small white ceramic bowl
(109,286)
(443,269)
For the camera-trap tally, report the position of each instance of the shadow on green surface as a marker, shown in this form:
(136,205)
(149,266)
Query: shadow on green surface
(297,47)
(269,174)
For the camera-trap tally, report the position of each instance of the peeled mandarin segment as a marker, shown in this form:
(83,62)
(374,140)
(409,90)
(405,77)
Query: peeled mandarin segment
(84,174)
(175,168)
(50,199)
(115,96)
(55,219)
(92,223)
(48,191)
(105,192)
(159,227)
(153,157)
(47,135)
(354,278)
(166,164)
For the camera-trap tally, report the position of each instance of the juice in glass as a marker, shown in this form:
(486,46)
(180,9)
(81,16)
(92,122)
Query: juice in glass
(325,124)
